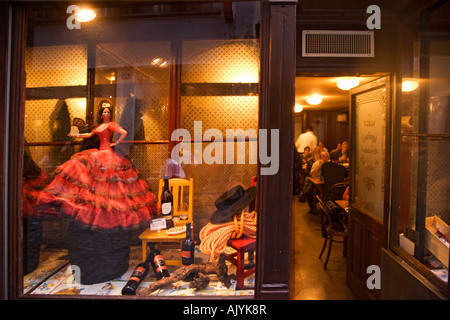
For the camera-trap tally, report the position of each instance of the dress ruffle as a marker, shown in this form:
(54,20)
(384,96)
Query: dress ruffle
(99,189)
(31,188)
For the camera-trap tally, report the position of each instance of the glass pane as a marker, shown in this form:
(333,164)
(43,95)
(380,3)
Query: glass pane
(370,128)
(424,180)
(136,72)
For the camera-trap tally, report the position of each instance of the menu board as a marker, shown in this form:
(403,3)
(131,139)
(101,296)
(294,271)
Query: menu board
(370,123)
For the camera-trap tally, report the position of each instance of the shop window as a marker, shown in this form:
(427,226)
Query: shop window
(421,220)
(81,197)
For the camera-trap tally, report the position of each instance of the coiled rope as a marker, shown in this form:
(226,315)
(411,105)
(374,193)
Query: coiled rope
(214,237)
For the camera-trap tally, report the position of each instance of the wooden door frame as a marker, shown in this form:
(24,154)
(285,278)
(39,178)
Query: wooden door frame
(368,235)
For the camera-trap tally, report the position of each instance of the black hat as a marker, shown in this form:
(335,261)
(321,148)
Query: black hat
(232,202)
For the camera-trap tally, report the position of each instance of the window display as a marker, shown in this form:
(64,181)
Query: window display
(93,196)
(420,228)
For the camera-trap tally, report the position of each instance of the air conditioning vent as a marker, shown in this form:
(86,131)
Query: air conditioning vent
(325,43)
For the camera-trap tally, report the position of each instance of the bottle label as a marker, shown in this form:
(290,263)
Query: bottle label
(134,279)
(187,258)
(137,274)
(166,208)
(160,264)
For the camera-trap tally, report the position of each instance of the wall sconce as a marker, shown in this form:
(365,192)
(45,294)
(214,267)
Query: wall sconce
(298,108)
(314,100)
(111,76)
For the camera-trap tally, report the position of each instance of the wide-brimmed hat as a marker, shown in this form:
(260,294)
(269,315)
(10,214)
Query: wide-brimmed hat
(232,202)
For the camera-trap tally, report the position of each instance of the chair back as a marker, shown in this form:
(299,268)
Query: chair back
(183,198)
(338,189)
(327,224)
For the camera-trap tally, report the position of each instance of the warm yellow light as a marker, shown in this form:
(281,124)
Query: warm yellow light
(111,76)
(298,108)
(159,62)
(314,100)
(409,85)
(347,83)
(86,15)
(82,103)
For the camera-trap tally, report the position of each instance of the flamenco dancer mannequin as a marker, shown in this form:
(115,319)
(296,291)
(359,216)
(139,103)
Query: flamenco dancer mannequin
(106,198)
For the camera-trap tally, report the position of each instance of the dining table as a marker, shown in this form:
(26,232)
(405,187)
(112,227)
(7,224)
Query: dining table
(344,204)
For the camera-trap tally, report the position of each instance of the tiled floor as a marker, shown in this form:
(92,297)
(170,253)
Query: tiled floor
(308,279)
(54,276)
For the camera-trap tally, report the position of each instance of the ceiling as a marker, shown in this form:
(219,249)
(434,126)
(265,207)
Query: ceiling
(332,96)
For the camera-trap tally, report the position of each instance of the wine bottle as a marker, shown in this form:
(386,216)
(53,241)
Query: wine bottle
(167,203)
(160,265)
(187,248)
(136,278)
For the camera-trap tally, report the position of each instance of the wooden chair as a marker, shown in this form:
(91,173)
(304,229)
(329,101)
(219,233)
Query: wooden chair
(338,189)
(183,204)
(329,233)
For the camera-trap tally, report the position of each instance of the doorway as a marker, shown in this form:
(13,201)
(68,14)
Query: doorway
(330,120)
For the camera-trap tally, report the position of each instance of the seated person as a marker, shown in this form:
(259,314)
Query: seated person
(314,173)
(307,161)
(316,168)
(344,152)
(332,173)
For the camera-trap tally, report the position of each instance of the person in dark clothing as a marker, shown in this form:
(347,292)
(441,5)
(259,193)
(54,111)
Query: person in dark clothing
(332,173)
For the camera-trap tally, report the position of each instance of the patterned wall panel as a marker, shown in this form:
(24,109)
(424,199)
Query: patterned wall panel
(56,66)
(219,112)
(141,72)
(224,61)
(216,62)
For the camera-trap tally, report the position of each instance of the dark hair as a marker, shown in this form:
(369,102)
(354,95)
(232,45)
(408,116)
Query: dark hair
(307,147)
(101,108)
(334,155)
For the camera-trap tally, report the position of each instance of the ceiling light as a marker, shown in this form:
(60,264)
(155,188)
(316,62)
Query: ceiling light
(409,85)
(347,83)
(298,108)
(314,100)
(86,15)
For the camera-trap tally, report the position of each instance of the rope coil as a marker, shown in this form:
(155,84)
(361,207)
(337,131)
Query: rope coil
(214,237)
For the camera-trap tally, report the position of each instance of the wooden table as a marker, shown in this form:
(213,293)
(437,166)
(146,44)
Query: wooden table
(317,189)
(343,204)
(158,237)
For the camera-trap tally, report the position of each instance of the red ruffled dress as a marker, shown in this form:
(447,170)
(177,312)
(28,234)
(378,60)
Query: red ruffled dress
(99,188)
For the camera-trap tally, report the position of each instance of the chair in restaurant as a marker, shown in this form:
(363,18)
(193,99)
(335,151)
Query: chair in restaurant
(338,189)
(182,214)
(329,233)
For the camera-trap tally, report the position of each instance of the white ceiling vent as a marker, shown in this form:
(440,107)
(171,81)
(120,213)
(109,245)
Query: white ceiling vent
(326,43)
